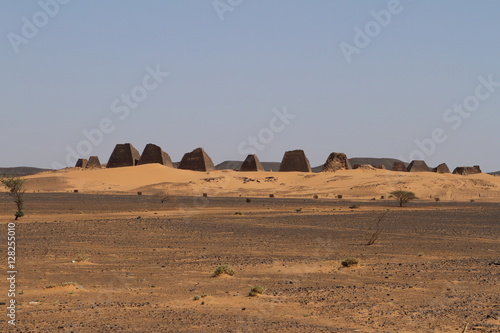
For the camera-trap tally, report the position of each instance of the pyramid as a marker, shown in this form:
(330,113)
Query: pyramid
(418,166)
(81,163)
(252,163)
(295,160)
(123,155)
(197,160)
(441,168)
(399,166)
(94,162)
(154,154)
(336,161)
(464,171)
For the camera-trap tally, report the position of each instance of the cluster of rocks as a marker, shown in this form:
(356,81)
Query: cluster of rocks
(125,155)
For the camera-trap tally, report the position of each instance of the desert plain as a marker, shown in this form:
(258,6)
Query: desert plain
(94,256)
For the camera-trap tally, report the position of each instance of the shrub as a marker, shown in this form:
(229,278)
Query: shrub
(298,210)
(437,199)
(224,269)
(350,261)
(238,213)
(402,197)
(16,191)
(249,200)
(256,291)
(196,297)
(354,206)
(315,196)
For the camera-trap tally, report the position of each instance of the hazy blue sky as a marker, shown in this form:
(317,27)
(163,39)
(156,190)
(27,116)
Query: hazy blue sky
(233,64)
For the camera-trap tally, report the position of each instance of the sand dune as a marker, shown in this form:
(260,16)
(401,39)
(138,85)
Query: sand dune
(359,184)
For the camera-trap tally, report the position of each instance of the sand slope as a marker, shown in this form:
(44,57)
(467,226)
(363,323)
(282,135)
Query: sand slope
(360,184)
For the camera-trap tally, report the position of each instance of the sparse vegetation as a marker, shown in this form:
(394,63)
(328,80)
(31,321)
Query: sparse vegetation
(437,199)
(50,286)
(298,210)
(196,297)
(403,197)
(16,188)
(71,283)
(315,196)
(354,206)
(349,261)
(238,213)
(82,257)
(249,200)
(374,237)
(257,290)
(224,269)
(163,196)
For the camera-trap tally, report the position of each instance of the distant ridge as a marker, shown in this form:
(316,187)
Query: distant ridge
(236,165)
(496,173)
(274,166)
(20,171)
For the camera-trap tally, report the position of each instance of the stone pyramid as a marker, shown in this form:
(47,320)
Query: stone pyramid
(123,155)
(197,160)
(94,162)
(399,166)
(81,163)
(154,154)
(252,163)
(464,171)
(336,161)
(418,166)
(295,160)
(441,168)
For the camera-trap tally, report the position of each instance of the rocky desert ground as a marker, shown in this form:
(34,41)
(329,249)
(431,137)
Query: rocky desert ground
(130,263)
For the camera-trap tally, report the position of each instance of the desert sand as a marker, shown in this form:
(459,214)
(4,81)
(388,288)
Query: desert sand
(354,184)
(108,260)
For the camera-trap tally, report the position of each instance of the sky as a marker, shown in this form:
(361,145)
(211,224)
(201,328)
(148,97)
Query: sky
(400,79)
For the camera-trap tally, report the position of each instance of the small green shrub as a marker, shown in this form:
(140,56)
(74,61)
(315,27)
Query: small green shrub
(224,269)
(238,213)
(354,206)
(349,261)
(256,291)
(196,297)
(298,210)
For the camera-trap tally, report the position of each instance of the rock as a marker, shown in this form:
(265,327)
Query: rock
(336,161)
(364,166)
(464,171)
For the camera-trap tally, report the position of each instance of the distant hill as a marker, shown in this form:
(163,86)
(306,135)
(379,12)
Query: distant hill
(274,166)
(376,162)
(496,173)
(20,171)
(236,165)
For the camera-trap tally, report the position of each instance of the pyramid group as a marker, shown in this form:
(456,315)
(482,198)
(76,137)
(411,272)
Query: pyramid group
(125,155)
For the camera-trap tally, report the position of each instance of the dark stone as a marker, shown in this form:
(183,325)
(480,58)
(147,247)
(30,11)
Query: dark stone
(94,162)
(81,163)
(464,171)
(197,160)
(252,163)
(336,161)
(295,160)
(441,168)
(154,154)
(418,166)
(123,155)
(399,166)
